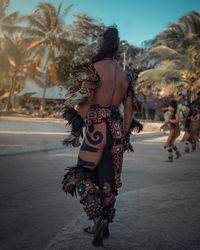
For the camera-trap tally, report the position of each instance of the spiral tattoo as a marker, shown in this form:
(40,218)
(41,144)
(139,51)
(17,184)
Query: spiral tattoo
(98,136)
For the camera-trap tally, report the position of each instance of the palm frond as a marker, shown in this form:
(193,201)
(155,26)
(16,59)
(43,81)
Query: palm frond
(4,63)
(43,13)
(36,23)
(45,6)
(32,49)
(10,48)
(66,10)
(3,7)
(11,18)
(29,41)
(11,28)
(160,53)
(57,15)
(158,74)
(29,31)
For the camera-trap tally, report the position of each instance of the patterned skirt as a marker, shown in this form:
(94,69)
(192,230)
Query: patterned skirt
(101,154)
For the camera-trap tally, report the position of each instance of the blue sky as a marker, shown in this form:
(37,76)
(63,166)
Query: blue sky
(137,20)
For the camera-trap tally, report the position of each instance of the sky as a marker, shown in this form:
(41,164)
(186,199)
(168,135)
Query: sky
(137,20)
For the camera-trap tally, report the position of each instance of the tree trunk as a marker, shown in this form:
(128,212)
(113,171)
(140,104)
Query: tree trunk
(11,93)
(124,61)
(146,107)
(43,101)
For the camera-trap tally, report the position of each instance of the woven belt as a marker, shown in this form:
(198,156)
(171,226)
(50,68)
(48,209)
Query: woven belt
(99,113)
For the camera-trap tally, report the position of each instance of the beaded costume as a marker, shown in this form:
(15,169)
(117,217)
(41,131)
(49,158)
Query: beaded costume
(174,132)
(191,127)
(96,177)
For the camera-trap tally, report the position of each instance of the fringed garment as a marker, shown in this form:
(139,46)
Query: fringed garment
(191,127)
(194,134)
(173,134)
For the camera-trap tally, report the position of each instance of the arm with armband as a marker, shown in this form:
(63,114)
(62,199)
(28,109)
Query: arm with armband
(131,105)
(88,80)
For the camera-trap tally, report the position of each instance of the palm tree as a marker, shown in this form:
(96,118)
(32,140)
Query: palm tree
(8,26)
(8,22)
(48,38)
(85,31)
(177,49)
(17,63)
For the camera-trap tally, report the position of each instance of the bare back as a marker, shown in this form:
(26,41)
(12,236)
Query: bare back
(113,86)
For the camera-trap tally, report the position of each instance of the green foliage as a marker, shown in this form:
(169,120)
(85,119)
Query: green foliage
(3,7)
(177,52)
(130,52)
(170,66)
(8,23)
(85,31)
(4,63)
(48,37)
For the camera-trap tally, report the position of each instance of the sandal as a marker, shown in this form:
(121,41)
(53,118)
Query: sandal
(98,235)
(106,232)
(89,230)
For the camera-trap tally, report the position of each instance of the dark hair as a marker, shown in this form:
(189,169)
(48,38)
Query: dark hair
(173,104)
(190,108)
(188,121)
(194,111)
(110,44)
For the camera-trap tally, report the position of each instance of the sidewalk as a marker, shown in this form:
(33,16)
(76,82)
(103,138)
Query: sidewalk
(157,207)
(22,134)
(34,146)
(161,217)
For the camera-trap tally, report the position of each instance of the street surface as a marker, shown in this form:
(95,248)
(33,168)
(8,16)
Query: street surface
(34,209)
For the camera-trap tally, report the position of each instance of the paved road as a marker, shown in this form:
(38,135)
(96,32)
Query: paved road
(34,209)
(20,130)
(24,131)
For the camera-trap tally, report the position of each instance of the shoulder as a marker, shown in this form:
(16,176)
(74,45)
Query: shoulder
(120,70)
(87,73)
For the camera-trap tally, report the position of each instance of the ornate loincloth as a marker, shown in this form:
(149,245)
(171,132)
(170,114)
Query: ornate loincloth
(101,153)
(104,125)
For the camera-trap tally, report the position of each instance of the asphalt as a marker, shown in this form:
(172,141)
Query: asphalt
(164,217)
(35,147)
(21,134)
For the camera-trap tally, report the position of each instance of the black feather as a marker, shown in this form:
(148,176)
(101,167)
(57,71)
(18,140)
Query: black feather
(73,118)
(73,177)
(134,124)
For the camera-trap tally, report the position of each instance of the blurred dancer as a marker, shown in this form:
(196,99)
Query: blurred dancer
(173,123)
(191,126)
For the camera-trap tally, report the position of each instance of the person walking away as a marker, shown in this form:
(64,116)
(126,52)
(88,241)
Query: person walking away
(97,176)
(174,128)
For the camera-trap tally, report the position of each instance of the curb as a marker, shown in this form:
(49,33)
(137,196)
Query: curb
(28,149)
(58,145)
